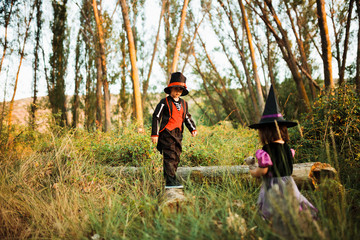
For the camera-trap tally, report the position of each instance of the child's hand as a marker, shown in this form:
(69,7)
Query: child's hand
(194,133)
(154,139)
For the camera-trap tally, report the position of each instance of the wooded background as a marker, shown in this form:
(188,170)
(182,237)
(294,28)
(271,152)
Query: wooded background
(233,50)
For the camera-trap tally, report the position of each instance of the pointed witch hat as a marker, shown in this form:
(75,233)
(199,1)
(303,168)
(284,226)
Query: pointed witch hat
(272,113)
(177,80)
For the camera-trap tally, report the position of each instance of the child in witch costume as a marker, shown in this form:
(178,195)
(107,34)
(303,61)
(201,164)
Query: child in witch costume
(275,162)
(168,125)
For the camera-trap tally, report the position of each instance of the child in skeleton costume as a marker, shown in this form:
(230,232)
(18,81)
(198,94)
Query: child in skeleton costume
(168,125)
(275,162)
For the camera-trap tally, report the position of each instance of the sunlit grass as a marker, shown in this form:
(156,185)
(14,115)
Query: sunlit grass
(61,191)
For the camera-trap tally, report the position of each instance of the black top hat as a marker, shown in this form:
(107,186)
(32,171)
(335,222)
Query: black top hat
(272,113)
(177,80)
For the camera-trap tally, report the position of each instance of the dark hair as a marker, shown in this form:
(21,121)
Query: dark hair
(270,134)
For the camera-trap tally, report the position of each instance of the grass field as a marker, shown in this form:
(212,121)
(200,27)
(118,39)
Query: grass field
(54,186)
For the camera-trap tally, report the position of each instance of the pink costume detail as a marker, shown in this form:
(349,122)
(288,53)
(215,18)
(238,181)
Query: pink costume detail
(264,159)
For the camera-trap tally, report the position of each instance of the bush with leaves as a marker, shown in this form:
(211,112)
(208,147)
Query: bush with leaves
(331,133)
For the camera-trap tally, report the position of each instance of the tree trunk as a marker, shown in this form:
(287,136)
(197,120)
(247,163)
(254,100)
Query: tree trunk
(22,52)
(146,83)
(179,38)
(325,44)
(168,37)
(99,83)
(243,86)
(357,76)
(7,20)
(229,98)
(58,62)
(211,99)
(100,31)
(346,44)
(36,63)
(243,61)
(190,48)
(75,110)
(301,48)
(260,98)
(213,174)
(285,47)
(123,99)
(134,69)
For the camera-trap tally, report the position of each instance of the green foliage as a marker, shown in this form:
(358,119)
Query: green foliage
(220,144)
(331,133)
(56,185)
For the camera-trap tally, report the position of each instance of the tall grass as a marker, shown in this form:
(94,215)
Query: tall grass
(60,190)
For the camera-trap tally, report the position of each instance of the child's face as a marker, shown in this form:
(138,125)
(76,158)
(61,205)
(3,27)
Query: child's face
(175,92)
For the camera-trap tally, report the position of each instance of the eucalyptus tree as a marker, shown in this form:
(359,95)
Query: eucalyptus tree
(269,16)
(146,82)
(259,94)
(93,96)
(237,41)
(28,20)
(302,21)
(78,80)
(171,20)
(6,8)
(38,34)
(340,15)
(357,76)
(58,62)
(134,67)
(6,11)
(325,44)
(179,37)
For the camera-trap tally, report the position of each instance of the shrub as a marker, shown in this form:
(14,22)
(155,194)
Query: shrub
(331,133)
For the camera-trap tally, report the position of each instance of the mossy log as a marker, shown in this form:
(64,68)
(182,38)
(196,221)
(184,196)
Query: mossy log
(305,174)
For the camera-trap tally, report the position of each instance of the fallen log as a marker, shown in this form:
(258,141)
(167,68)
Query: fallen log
(305,174)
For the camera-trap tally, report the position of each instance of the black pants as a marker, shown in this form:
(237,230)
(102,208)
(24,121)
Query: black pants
(170,144)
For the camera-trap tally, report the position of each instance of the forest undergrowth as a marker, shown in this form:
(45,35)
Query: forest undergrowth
(54,185)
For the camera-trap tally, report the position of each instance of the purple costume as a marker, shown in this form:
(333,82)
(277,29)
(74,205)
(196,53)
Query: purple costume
(277,182)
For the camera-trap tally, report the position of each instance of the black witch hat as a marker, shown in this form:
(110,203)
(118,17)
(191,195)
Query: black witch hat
(177,80)
(272,113)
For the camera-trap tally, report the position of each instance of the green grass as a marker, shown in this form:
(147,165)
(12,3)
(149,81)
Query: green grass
(56,187)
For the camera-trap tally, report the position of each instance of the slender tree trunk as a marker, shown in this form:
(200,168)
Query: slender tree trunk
(75,110)
(3,108)
(300,45)
(230,100)
(99,99)
(58,62)
(146,83)
(357,76)
(346,44)
(134,69)
(192,43)
(325,44)
(179,38)
(100,31)
(203,110)
(123,99)
(243,60)
(5,37)
(269,62)
(11,107)
(259,94)
(168,38)
(243,86)
(211,99)
(36,62)
(285,47)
